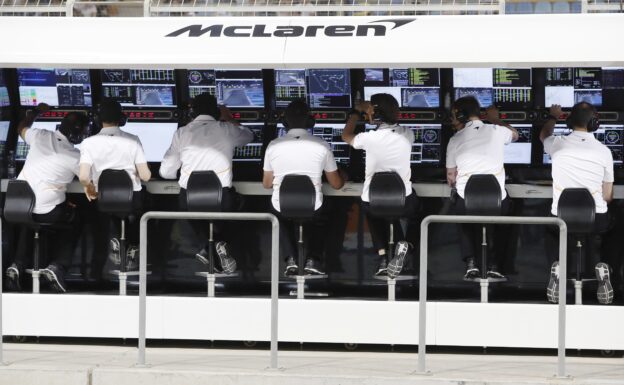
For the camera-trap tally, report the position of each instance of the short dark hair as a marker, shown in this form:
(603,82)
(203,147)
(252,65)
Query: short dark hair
(297,115)
(387,107)
(205,104)
(74,126)
(110,111)
(581,114)
(468,106)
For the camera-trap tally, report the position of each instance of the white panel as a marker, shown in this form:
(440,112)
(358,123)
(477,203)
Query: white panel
(595,327)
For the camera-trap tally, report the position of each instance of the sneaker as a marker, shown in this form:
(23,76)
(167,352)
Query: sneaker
(13,278)
(396,264)
(605,290)
(132,258)
(54,274)
(472,271)
(552,292)
(202,257)
(382,269)
(493,273)
(311,267)
(291,267)
(115,255)
(228,264)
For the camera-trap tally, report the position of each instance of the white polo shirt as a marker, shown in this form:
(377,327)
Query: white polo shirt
(300,153)
(478,149)
(50,166)
(579,160)
(205,144)
(388,148)
(115,150)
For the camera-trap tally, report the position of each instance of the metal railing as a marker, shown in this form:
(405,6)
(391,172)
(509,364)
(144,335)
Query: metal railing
(457,219)
(203,216)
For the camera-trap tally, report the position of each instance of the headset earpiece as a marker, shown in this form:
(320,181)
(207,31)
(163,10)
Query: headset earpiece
(460,116)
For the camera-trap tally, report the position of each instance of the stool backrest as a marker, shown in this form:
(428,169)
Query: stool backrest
(19,203)
(482,195)
(115,191)
(387,195)
(204,192)
(297,197)
(577,208)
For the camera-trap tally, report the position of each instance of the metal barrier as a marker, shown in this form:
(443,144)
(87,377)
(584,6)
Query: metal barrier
(205,216)
(424,241)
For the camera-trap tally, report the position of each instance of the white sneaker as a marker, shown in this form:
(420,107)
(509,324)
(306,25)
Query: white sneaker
(552,292)
(605,289)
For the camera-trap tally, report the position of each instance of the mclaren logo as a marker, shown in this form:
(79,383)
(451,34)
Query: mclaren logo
(373,28)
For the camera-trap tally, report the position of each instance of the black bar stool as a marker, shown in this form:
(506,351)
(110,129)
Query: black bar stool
(482,197)
(577,209)
(204,193)
(115,193)
(387,201)
(297,202)
(18,209)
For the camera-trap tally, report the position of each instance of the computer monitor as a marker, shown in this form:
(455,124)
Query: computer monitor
(519,152)
(54,86)
(332,134)
(411,87)
(4,92)
(4,133)
(427,148)
(155,137)
(322,88)
(568,86)
(22,148)
(252,152)
(233,88)
(505,87)
(140,88)
(612,136)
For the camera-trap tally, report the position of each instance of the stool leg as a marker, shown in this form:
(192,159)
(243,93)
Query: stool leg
(578,284)
(391,289)
(300,250)
(211,264)
(35,272)
(391,242)
(123,259)
(211,285)
(485,285)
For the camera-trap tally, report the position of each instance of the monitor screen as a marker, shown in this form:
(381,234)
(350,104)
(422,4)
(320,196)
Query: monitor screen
(4,133)
(4,92)
(568,86)
(155,137)
(427,148)
(22,148)
(411,87)
(140,88)
(519,152)
(233,88)
(612,136)
(332,134)
(252,152)
(507,87)
(323,88)
(56,87)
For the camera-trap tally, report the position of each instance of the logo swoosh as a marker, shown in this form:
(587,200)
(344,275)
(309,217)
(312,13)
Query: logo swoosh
(397,22)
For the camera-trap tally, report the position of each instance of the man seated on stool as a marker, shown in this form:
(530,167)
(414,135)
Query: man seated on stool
(51,165)
(388,148)
(207,144)
(114,149)
(580,160)
(299,152)
(477,148)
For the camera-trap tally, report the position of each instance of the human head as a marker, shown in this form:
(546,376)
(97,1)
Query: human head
(583,117)
(297,115)
(205,104)
(386,108)
(110,112)
(74,127)
(465,109)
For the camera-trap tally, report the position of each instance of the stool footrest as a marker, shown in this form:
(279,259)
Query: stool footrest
(206,274)
(399,278)
(490,280)
(582,280)
(307,276)
(128,273)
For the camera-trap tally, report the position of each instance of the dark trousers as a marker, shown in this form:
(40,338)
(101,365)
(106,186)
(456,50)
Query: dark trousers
(62,239)
(313,234)
(133,221)
(222,230)
(379,228)
(472,236)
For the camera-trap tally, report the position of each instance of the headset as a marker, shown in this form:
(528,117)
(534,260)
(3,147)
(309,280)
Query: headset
(97,121)
(309,123)
(74,130)
(460,115)
(583,114)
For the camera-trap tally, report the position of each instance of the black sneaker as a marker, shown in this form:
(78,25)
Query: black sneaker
(382,269)
(115,255)
(55,277)
(311,267)
(228,264)
(472,271)
(396,264)
(605,289)
(13,278)
(291,267)
(132,258)
(202,257)
(552,291)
